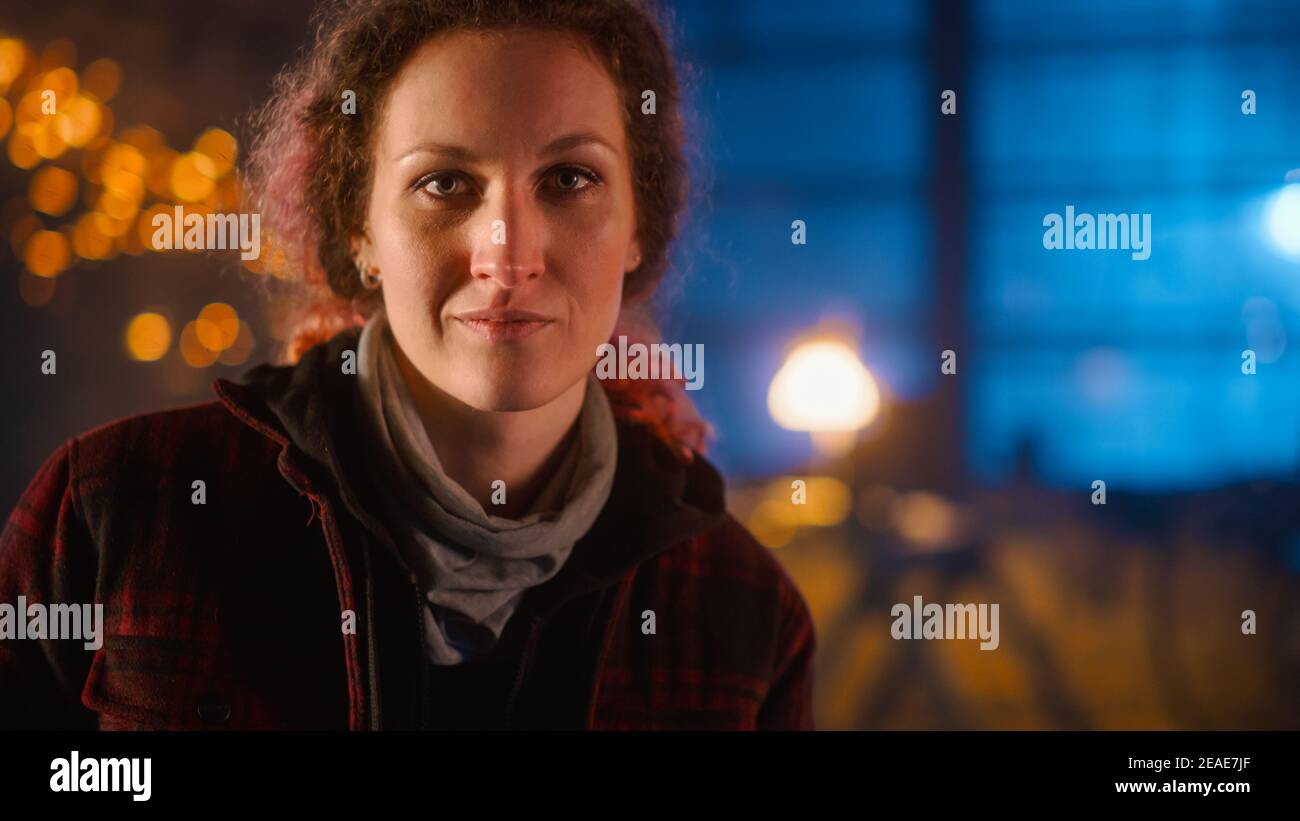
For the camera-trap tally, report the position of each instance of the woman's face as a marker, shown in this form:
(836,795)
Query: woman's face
(501,216)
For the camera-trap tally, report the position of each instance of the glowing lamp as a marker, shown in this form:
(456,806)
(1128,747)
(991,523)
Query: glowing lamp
(1282,220)
(823,388)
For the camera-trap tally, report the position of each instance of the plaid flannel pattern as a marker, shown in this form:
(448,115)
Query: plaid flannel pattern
(226,614)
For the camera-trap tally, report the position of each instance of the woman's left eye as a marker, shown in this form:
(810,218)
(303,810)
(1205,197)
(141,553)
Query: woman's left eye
(572,179)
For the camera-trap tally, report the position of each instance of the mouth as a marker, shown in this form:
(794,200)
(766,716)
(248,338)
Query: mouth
(502,325)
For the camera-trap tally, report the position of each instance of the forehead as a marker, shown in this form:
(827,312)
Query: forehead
(500,91)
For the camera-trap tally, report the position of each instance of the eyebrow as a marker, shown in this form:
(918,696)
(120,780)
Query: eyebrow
(573,141)
(460,153)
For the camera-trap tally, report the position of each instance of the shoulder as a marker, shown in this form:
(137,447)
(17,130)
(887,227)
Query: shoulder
(123,463)
(732,580)
(117,473)
(729,551)
(163,440)
(717,636)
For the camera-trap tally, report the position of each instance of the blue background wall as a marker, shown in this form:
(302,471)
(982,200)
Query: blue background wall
(1100,364)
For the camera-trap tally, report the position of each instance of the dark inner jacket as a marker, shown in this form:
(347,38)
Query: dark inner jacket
(732,646)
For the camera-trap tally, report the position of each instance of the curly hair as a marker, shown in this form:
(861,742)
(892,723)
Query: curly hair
(310,165)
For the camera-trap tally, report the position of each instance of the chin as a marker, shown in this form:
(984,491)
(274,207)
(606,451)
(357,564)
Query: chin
(504,393)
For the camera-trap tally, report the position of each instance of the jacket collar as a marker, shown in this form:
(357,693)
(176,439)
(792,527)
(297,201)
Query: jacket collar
(311,409)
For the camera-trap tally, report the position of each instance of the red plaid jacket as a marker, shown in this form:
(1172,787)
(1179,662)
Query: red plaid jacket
(230,613)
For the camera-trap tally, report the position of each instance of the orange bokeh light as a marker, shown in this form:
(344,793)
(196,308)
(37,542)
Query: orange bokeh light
(192,350)
(217,326)
(102,78)
(46,253)
(52,191)
(220,147)
(193,176)
(148,336)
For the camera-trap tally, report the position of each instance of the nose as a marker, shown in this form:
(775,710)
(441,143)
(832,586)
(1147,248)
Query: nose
(508,244)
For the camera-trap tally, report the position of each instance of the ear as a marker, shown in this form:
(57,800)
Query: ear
(633,258)
(359,245)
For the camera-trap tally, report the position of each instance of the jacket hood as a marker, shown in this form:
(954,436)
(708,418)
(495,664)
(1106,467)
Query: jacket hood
(312,408)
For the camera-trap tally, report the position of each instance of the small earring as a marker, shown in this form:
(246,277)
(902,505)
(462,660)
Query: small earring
(369,280)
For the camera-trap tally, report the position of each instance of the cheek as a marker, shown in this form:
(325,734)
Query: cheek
(601,228)
(594,242)
(418,255)
(594,266)
(601,311)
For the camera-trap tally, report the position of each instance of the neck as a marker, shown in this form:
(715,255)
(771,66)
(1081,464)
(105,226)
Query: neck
(477,448)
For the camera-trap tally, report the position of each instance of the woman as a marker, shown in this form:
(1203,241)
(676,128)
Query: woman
(441,518)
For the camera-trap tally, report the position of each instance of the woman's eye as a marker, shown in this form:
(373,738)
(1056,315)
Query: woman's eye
(443,185)
(573,179)
(447,184)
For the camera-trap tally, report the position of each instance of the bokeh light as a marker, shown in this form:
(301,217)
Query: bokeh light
(52,191)
(1284,220)
(79,121)
(159,178)
(59,53)
(62,81)
(28,109)
(13,58)
(46,140)
(122,157)
(769,524)
(117,204)
(102,78)
(21,149)
(89,241)
(218,146)
(192,350)
(927,520)
(46,253)
(146,139)
(193,176)
(217,326)
(144,227)
(241,349)
(823,386)
(148,336)
(825,502)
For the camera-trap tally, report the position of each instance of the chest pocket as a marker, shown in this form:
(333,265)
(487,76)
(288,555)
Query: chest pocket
(162,683)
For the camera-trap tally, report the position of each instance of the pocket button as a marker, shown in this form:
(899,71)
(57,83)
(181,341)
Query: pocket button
(212,711)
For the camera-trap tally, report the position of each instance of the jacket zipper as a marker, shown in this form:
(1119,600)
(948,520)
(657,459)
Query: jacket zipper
(335,548)
(376,703)
(422,677)
(534,632)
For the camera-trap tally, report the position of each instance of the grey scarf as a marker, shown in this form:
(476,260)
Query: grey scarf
(473,567)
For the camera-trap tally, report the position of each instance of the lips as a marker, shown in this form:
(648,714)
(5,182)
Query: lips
(503,325)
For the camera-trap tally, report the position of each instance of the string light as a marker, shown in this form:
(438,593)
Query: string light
(122,182)
(217,326)
(52,191)
(148,336)
(46,253)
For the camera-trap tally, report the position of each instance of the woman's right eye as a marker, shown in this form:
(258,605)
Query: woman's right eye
(443,184)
